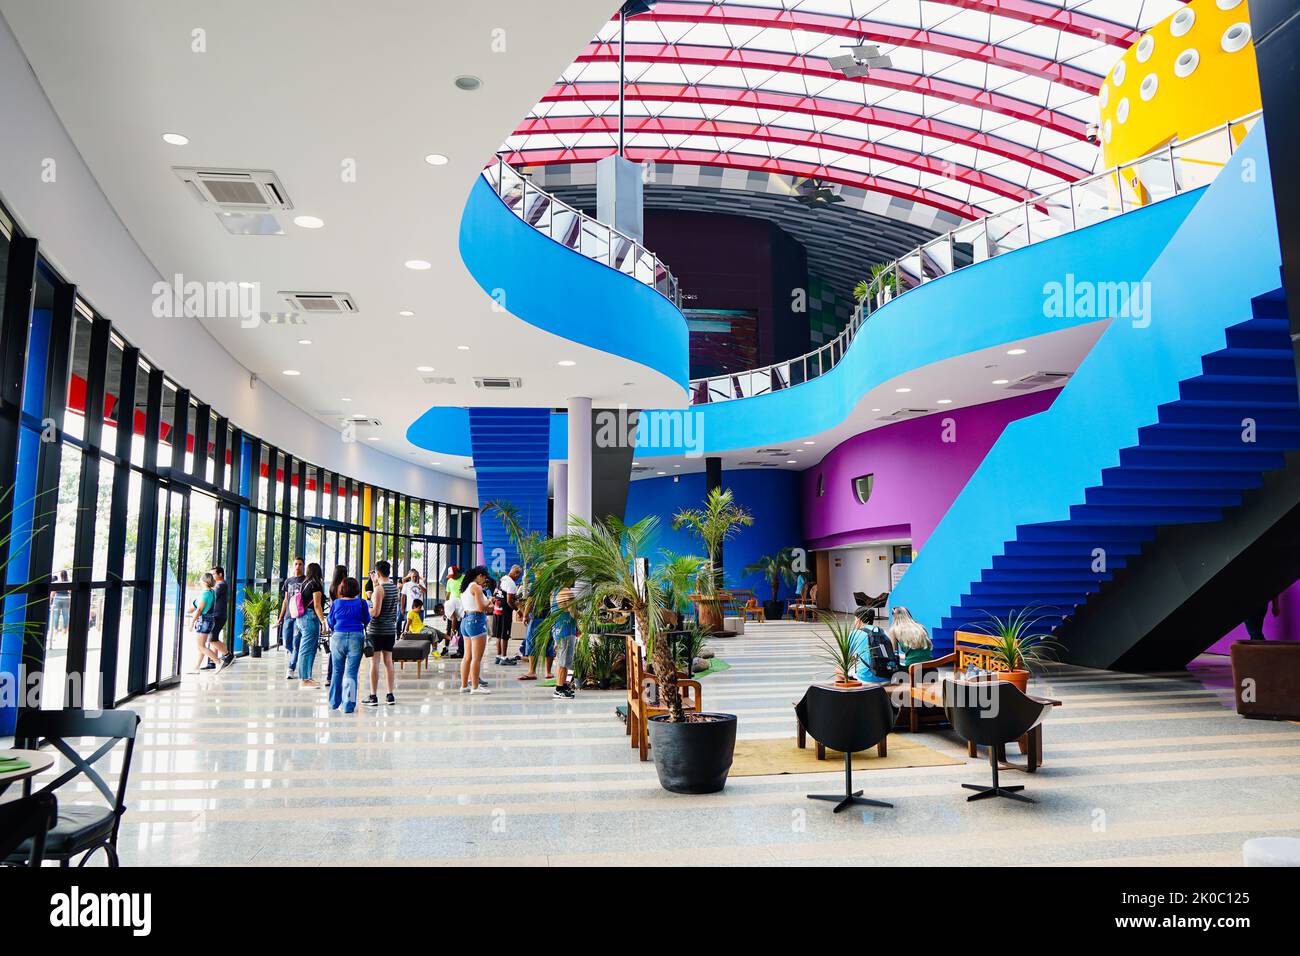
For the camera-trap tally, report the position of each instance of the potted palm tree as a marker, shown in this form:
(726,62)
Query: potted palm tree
(680,572)
(718,520)
(775,568)
(598,561)
(881,287)
(838,650)
(259,608)
(1020,647)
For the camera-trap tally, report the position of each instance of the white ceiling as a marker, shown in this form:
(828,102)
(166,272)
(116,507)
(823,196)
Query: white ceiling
(303,87)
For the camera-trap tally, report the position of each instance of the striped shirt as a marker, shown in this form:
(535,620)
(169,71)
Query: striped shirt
(386,623)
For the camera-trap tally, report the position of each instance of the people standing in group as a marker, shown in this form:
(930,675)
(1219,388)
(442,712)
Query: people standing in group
(349,616)
(412,591)
(289,633)
(564,637)
(505,599)
(311,621)
(60,606)
(220,603)
(452,608)
(473,629)
(201,621)
(382,632)
(336,583)
(537,640)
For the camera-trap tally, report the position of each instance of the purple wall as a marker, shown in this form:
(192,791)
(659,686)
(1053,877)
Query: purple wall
(918,473)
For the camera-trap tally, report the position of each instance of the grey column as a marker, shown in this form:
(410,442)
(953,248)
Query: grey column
(580,458)
(560,508)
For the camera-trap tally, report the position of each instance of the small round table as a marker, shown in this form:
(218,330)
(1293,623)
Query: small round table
(40,761)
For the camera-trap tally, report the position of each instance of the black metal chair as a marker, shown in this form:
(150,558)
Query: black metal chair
(24,823)
(80,828)
(992,713)
(849,721)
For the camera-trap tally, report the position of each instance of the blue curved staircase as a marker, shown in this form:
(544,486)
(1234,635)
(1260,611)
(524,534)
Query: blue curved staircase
(1186,468)
(1147,434)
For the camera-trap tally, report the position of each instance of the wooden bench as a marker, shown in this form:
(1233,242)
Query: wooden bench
(639,708)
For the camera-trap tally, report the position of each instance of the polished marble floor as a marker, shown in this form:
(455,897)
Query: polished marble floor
(245,767)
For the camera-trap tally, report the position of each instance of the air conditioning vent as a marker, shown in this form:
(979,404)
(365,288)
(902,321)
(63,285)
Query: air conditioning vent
(236,190)
(361,421)
(903,413)
(320,303)
(772,451)
(1037,380)
(497,383)
(438,380)
(769,464)
(749,464)
(637,469)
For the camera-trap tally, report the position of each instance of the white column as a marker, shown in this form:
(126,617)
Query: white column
(580,458)
(560,507)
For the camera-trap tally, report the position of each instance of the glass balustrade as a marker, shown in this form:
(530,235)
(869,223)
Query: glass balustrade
(575,230)
(1169,171)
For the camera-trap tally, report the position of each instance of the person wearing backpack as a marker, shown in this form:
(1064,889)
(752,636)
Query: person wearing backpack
(309,602)
(290,588)
(877,657)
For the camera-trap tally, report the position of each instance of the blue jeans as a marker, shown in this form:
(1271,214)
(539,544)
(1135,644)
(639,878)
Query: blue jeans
(308,641)
(289,635)
(473,624)
(345,659)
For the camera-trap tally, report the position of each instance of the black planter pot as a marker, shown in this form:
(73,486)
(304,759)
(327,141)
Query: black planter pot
(773,610)
(690,757)
(255,650)
(604,682)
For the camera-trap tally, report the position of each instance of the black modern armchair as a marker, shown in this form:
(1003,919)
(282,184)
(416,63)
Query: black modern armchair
(80,828)
(849,721)
(992,713)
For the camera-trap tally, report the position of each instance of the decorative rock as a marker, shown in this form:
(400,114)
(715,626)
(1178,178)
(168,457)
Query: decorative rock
(706,652)
(698,665)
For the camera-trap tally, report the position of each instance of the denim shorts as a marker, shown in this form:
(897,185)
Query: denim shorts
(564,648)
(474,624)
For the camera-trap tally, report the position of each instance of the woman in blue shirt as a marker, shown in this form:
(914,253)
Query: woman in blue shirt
(877,658)
(348,617)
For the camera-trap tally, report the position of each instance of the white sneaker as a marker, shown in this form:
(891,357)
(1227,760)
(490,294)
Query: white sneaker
(466,689)
(480,690)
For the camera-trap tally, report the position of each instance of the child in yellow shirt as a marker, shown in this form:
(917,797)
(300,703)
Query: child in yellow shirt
(415,617)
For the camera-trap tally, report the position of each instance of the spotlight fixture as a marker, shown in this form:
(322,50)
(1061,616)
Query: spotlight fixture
(304,341)
(424,368)
(902,391)
(860,60)
(944,401)
(373,438)
(291,372)
(308,222)
(1001,381)
(419,265)
(1016,351)
(810,442)
(436,159)
(463,348)
(345,399)
(175,139)
(567,363)
(406,313)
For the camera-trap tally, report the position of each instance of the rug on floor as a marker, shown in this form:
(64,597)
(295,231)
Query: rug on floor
(760,758)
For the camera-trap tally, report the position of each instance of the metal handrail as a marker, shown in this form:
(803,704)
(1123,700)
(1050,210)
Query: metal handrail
(1169,171)
(575,230)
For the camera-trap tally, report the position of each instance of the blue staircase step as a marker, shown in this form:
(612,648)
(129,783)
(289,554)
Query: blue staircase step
(1129,477)
(1228,388)
(1079,531)
(1228,437)
(1230,413)
(1137,514)
(1261,333)
(1249,362)
(1075,576)
(1197,458)
(1041,551)
(1157,497)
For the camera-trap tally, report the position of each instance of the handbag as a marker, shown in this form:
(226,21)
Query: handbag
(367,647)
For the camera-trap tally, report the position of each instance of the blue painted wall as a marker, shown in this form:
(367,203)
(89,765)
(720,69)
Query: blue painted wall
(1201,280)
(562,291)
(773,497)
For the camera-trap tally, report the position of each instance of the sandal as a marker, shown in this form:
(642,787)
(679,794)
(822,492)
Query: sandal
(526,677)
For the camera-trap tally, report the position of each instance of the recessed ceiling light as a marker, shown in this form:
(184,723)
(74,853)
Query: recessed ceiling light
(902,391)
(308,222)
(304,341)
(663,472)
(419,265)
(424,368)
(463,348)
(373,438)
(1000,381)
(944,401)
(436,159)
(792,462)
(292,371)
(468,83)
(677,466)
(345,399)
(875,409)
(245,285)
(175,139)
(1016,351)
(567,363)
(406,313)
(435,463)
(810,443)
